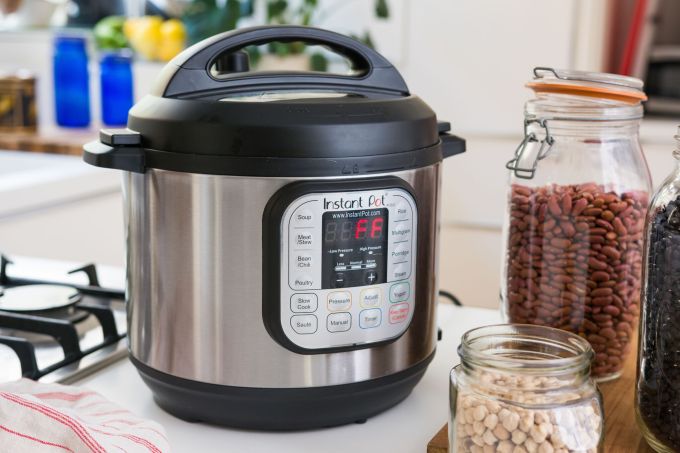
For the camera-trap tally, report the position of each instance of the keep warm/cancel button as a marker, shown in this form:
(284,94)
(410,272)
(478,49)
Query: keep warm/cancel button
(399,313)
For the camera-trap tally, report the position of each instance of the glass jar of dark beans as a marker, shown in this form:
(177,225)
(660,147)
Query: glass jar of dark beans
(658,387)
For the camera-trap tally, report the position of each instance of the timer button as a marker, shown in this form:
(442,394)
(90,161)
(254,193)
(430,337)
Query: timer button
(339,301)
(399,292)
(303,218)
(369,319)
(304,324)
(304,303)
(339,322)
(399,313)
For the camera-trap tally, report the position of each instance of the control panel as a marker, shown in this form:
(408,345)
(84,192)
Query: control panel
(347,267)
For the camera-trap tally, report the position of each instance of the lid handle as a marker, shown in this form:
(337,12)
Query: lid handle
(188,74)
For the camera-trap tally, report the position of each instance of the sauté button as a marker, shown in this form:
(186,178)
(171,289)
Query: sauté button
(339,322)
(339,301)
(303,239)
(304,303)
(304,324)
(399,292)
(370,298)
(399,313)
(371,318)
(303,217)
(302,281)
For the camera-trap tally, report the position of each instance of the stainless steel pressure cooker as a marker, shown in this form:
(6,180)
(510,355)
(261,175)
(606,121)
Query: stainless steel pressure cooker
(282,234)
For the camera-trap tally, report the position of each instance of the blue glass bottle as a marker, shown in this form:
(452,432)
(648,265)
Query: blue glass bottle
(115,72)
(71,82)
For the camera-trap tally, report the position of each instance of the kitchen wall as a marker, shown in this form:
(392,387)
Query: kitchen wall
(469,59)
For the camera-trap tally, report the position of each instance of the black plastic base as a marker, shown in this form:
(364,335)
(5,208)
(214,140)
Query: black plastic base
(279,409)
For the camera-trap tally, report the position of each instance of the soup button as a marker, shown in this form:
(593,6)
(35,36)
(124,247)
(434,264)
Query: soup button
(399,313)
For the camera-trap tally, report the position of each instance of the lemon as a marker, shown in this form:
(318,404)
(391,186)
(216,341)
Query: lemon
(144,34)
(172,39)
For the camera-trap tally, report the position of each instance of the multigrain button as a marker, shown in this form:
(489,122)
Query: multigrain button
(401,230)
(304,324)
(370,298)
(304,303)
(399,292)
(303,240)
(398,313)
(371,318)
(339,322)
(339,301)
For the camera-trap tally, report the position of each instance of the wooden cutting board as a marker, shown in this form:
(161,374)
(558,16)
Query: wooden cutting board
(621,431)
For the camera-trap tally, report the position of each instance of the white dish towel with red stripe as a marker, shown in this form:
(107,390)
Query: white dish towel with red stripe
(36,417)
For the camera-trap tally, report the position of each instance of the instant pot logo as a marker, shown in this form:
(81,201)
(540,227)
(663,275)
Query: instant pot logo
(371,201)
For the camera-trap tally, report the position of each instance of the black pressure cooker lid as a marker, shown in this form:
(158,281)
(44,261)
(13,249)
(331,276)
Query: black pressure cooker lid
(209,114)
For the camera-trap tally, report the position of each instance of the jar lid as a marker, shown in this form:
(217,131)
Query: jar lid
(590,84)
(584,96)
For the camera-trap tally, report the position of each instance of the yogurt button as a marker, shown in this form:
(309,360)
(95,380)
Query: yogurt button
(399,292)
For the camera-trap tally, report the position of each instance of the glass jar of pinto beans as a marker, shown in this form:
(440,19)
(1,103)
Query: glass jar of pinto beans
(523,388)
(578,196)
(658,385)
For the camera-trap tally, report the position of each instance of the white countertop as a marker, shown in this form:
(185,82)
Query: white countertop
(406,428)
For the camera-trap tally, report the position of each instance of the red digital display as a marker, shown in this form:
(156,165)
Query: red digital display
(354,228)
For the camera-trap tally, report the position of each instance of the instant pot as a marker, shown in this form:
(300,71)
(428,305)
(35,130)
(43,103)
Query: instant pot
(282,234)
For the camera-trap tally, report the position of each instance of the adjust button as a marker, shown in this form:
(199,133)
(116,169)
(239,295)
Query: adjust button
(370,298)
(304,324)
(399,292)
(304,303)
(339,322)
(369,319)
(339,301)
(399,313)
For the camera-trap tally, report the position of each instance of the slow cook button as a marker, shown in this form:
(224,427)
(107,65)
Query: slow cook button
(304,303)
(398,313)
(339,301)
(339,322)
(370,298)
(302,261)
(302,281)
(303,240)
(370,318)
(303,218)
(400,271)
(399,292)
(304,324)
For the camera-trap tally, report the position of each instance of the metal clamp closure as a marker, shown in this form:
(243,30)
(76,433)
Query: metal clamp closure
(546,144)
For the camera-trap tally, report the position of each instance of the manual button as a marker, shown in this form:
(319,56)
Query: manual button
(339,322)
(304,303)
(304,324)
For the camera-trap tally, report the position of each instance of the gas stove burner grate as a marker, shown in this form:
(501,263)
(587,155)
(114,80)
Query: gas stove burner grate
(37,298)
(85,301)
